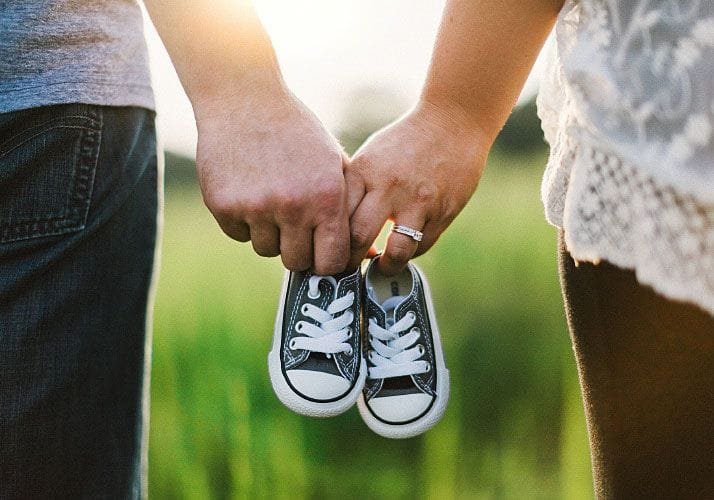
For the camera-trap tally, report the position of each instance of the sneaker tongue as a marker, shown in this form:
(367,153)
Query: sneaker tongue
(389,306)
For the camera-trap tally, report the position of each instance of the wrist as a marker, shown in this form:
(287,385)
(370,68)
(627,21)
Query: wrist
(251,86)
(451,114)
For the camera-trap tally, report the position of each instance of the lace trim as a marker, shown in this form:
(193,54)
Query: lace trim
(642,201)
(637,76)
(613,211)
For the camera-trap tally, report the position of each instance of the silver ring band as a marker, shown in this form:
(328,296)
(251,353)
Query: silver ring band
(412,233)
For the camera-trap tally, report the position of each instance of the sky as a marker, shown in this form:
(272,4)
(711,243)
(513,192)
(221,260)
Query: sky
(328,50)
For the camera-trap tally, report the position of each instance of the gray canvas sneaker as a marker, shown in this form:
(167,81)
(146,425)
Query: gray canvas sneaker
(316,365)
(407,384)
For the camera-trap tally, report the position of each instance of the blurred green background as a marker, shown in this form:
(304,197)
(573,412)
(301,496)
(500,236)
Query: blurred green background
(514,427)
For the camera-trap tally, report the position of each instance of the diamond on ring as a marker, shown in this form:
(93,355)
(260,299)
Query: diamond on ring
(412,233)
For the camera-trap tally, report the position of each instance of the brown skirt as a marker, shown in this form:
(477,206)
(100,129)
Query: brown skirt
(646,367)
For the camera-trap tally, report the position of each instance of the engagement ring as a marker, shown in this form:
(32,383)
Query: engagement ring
(413,233)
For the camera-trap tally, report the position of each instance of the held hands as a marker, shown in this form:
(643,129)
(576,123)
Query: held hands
(270,173)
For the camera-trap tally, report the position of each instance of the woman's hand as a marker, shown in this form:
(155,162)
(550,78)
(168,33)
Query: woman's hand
(421,171)
(418,172)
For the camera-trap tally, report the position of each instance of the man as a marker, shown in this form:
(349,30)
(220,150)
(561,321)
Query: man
(78,197)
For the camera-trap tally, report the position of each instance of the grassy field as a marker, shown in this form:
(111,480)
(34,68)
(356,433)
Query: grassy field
(514,427)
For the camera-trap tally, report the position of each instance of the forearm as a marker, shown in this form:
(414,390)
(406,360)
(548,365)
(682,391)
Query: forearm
(483,54)
(269,171)
(218,47)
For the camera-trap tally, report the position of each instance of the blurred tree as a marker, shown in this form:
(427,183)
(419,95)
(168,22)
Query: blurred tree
(179,170)
(371,108)
(522,133)
(368,110)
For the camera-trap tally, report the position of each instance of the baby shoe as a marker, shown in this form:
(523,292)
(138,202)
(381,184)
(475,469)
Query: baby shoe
(316,365)
(407,384)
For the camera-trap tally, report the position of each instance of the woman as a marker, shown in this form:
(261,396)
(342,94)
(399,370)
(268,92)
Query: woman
(627,107)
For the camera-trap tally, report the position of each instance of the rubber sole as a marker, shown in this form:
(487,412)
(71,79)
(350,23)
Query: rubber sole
(431,417)
(287,395)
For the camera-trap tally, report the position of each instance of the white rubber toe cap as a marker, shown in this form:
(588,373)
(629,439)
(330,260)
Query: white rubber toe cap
(318,385)
(402,408)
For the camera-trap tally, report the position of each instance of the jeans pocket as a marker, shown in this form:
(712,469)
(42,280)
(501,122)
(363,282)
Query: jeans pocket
(48,158)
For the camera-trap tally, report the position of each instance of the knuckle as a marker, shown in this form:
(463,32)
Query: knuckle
(330,194)
(445,210)
(360,238)
(289,203)
(391,181)
(228,204)
(255,204)
(287,198)
(425,193)
(221,202)
(449,214)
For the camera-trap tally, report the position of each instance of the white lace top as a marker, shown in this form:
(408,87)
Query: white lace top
(627,106)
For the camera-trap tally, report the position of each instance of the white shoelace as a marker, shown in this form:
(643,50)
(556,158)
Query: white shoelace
(393,354)
(332,330)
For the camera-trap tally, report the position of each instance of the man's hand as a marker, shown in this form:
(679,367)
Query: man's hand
(418,172)
(271,173)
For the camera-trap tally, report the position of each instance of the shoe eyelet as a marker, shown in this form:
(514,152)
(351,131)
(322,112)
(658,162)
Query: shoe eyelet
(427,366)
(416,330)
(313,297)
(298,326)
(349,351)
(369,355)
(349,332)
(304,309)
(421,349)
(411,315)
(291,344)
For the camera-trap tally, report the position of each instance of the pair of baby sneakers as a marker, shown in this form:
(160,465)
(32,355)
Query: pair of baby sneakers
(322,361)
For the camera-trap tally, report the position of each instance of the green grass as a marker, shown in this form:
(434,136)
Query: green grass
(514,427)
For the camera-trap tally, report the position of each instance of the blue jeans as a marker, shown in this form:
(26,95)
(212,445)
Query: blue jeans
(78,223)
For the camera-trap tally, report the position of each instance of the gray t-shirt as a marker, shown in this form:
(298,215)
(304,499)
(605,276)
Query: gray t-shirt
(62,51)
